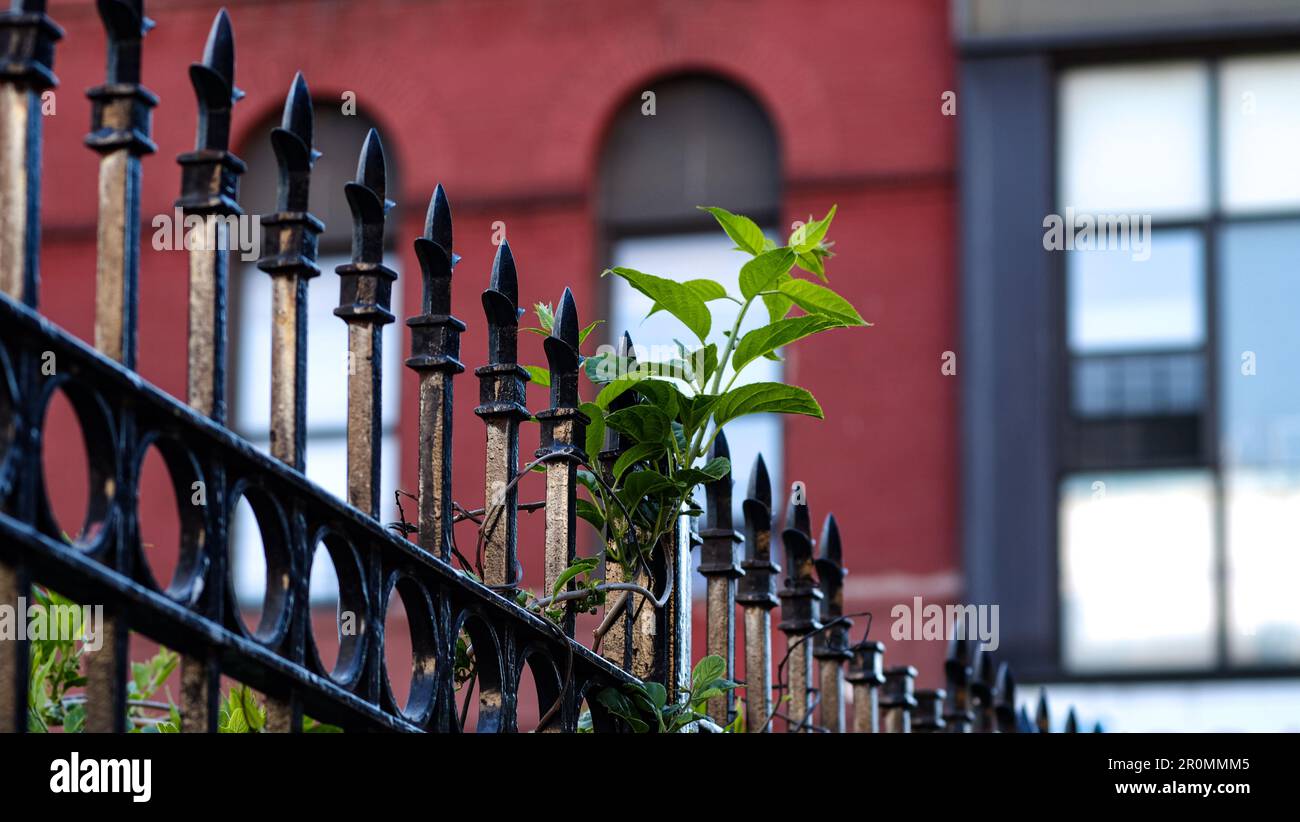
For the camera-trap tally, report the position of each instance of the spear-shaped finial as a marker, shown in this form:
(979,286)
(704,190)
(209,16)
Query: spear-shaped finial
(437,224)
(126,25)
(1004,705)
(834,641)
(1042,717)
(292,142)
(562,353)
(717,494)
(501,304)
(797,539)
(758,586)
(982,688)
(434,248)
(214,85)
(1071,722)
(1024,725)
(369,204)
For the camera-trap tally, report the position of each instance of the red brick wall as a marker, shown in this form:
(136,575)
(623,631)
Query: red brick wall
(505,102)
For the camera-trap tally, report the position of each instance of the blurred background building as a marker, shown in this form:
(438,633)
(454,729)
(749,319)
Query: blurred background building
(1103,443)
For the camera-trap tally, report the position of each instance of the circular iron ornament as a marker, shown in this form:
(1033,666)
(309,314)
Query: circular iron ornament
(9,422)
(425,651)
(104,479)
(487,666)
(546,679)
(352,619)
(187,482)
(274,530)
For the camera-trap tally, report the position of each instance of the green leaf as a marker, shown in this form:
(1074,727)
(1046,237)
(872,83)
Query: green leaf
(658,695)
(807,237)
(586,332)
(539,376)
(816,299)
(579,566)
(545,316)
(637,453)
(587,510)
(676,298)
(764,397)
(811,262)
(768,338)
(644,423)
(706,290)
(697,411)
(761,272)
(707,670)
(595,439)
(743,232)
(640,484)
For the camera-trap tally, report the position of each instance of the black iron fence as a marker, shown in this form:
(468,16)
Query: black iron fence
(823,681)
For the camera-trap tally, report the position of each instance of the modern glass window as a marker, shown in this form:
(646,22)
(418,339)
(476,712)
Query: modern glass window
(1180,487)
(339,138)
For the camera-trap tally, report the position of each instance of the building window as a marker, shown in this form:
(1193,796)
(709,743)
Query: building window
(707,142)
(339,138)
(1180,444)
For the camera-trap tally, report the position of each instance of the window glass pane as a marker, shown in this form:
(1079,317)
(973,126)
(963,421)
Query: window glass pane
(327,346)
(1137,582)
(1260,383)
(1134,139)
(1260,124)
(687,257)
(1118,303)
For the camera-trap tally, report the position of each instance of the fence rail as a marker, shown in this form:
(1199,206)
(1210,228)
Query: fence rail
(820,674)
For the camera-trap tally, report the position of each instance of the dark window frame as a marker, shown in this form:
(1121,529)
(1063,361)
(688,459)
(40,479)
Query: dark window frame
(1001,539)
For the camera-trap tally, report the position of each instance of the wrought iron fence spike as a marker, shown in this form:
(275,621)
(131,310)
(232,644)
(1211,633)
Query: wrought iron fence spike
(1004,700)
(1071,721)
(437,224)
(505,280)
(1043,716)
(760,484)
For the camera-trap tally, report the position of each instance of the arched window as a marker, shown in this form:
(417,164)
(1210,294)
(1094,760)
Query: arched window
(681,143)
(339,138)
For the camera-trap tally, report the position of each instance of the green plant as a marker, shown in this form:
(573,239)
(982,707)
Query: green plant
(646,708)
(54,700)
(670,411)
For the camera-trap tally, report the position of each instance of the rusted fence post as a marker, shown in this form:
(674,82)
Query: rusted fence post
(756,592)
(831,646)
(502,407)
(957,672)
(564,430)
(365,299)
(866,674)
(120,134)
(800,612)
(209,195)
(629,640)
(289,257)
(928,716)
(435,356)
(900,699)
(27,37)
(983,687)
(720,566)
